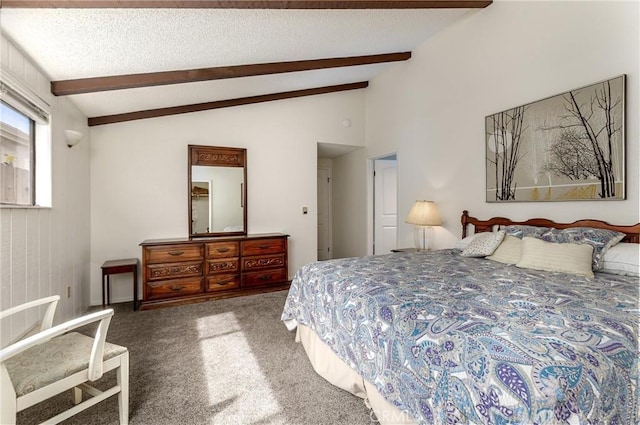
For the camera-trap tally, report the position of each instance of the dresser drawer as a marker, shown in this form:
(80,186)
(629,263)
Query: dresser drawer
(222,249)
(265,277)
(263,246)
(173,288)
(173,253)
(173,270)
(224,265)
(222,282)
(263,262)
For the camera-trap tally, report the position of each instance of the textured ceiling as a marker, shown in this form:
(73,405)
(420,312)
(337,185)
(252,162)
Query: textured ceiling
(82,43)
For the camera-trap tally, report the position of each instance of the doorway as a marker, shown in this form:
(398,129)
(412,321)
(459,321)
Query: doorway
(385,204)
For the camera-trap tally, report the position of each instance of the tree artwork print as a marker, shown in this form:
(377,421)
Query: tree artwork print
(563,148)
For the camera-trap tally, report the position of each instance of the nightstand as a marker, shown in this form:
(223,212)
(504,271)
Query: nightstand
(110,267)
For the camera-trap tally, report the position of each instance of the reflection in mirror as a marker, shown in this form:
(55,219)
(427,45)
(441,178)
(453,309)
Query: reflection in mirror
(217,201)
(220,209)
(200,217)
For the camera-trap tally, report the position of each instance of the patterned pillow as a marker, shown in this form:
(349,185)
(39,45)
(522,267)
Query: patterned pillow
(508,252)
(484,244)
(600,239)
(463,243)
(556,257)
(520,231)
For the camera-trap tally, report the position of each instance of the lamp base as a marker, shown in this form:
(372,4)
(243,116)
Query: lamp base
(421,238)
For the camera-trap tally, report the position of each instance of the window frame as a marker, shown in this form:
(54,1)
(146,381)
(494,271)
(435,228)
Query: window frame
(17,97)
(31,148)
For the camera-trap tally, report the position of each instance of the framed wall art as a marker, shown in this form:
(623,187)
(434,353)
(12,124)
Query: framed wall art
(563,148)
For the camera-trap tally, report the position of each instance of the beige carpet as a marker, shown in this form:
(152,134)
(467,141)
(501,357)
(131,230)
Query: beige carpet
(219,362)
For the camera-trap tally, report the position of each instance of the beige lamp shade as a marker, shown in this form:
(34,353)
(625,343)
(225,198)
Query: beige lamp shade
(424,213)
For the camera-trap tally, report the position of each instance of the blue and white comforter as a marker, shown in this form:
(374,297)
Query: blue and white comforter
(451,339)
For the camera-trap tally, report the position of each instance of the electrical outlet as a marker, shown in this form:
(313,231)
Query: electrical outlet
(68,291)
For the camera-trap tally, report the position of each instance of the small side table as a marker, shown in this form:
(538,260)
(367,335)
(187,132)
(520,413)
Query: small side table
(130,265)
(404,250)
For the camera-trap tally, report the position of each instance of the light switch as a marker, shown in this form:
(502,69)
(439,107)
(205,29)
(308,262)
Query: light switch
(305,210)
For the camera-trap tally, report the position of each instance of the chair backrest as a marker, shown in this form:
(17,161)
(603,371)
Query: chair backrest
(47,319)
(95,361)
(19,392)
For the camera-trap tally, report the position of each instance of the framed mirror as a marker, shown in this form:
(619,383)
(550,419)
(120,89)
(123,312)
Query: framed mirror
(217,191)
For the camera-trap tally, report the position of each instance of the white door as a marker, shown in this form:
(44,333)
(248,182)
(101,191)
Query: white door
(324,214)
(385,205)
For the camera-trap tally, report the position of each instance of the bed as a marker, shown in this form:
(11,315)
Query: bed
(440,338)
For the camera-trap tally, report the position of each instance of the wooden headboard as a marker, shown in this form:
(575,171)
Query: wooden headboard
(632,231)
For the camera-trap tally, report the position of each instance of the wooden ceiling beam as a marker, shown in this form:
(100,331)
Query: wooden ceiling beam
(247,4)
(119,82)
(174,110)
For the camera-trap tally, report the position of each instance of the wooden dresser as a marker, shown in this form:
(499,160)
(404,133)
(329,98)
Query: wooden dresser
(178,271)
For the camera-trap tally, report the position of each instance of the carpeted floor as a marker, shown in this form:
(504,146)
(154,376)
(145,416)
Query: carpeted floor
(220,362)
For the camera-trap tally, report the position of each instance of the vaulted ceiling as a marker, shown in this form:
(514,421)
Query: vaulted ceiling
(123,60)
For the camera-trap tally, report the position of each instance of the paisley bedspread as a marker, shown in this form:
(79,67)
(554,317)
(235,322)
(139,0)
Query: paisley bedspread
(451,339)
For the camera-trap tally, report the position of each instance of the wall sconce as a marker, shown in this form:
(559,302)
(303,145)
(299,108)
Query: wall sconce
(73,137)
(423,215)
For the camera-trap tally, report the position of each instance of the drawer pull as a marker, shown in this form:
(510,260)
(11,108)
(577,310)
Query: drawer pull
(265,277)
(176,253)
(224,283)
(176,287)
(222,249)
(263,246)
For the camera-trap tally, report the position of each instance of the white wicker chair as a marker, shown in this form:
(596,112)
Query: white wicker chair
(55,360)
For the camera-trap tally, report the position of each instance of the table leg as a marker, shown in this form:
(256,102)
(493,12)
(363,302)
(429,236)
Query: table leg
(103,283)
(135,288)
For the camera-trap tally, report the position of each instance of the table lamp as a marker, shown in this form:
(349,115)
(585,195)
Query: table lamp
(423,215)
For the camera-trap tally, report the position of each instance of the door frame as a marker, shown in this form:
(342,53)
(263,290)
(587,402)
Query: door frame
(329,205)
(371,196)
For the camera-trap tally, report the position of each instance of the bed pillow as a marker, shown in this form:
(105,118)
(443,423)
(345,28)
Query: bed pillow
(600,239)
(463,243)
(508,252)
(556,257)
(484,244)
(623,258)
(522,231)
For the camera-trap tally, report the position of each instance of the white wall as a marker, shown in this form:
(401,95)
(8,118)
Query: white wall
(349,208)
(431,109)
(139,174)
(44,250)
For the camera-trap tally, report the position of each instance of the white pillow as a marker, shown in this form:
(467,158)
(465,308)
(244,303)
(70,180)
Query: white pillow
(623,259)
(556,257)
(463,243)
(484,244)
(509,251)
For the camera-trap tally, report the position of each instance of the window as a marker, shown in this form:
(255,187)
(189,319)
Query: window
(25,147)
(17,154)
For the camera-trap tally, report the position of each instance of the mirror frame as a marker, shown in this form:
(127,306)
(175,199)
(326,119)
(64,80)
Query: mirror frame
(217,157)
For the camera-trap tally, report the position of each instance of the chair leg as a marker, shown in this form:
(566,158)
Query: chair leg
(8,412)
(76,395)
(8,407)
(123,396)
